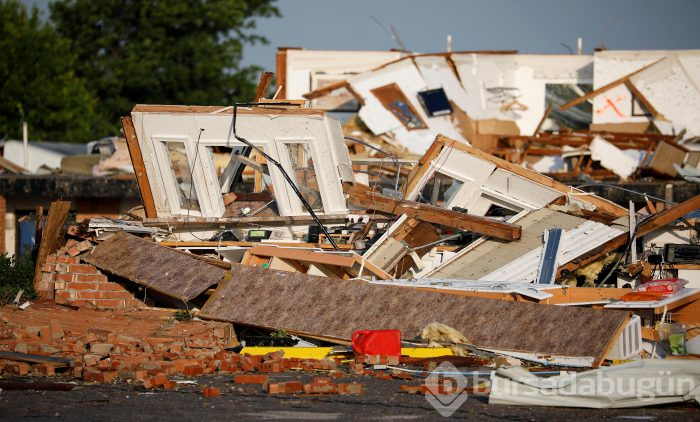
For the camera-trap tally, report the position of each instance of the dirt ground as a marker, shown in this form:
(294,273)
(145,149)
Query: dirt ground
(382,401)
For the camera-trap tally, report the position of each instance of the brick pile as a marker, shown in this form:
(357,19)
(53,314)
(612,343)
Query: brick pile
(67,280)
(144,346)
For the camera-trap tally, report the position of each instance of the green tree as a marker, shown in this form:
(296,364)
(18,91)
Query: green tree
(161,51)
(37,82)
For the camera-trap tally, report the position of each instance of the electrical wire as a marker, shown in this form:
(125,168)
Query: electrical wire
(625,190)
(279,167)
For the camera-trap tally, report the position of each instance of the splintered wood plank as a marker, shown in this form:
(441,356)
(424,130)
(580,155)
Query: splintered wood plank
(51,235)
(263,85)
(132,142)
(362,196)
(156,267)
(333,309)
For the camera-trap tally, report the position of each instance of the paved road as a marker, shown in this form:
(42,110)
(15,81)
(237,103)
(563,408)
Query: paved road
(122,401)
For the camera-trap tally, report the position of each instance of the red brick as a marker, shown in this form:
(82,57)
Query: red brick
(289,387)
(84,245)
(48,277)
(351,388)
(169,385)
(250,379)
(411,389)
(67,260)
(322,380)
(91,278)
(81,286)
(64,278)
(98,376)
(272,367)
(110,287)
(320,389)
(110,303)
(87,294)
(17,368)
(193,370)
(211,392)
(82,269)
(47,268)
(51,259)
(44,369)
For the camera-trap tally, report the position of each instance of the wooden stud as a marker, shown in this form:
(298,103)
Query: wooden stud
(263,86)
(362,196)
(132,142)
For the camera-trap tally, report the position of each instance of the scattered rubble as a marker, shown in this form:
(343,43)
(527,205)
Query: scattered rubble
(263,247)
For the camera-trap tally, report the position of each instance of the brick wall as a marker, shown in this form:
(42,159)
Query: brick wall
(66,280)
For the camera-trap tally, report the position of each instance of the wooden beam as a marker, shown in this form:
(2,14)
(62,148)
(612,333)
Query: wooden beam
(263,86)
(132,142)
(51,237)
(229,221)
(602,205)
(641,98)
(542,120)
(362,196)
(322,92)
(323,258)
(656,221)
(606,87)
(212,244)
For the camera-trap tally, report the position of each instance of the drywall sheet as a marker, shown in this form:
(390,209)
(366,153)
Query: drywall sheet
(156,267)
(331,308)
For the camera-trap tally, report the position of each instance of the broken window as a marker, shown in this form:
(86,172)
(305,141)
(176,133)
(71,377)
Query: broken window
(439,190)
(182,174)
(394,100)
(578,117)
(240,169)
(304,174)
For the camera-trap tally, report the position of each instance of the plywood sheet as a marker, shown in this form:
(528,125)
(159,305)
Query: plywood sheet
(156,267)
(330,308)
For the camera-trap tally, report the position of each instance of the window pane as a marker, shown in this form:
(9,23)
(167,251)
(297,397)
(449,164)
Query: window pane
(305,175)
(182,173)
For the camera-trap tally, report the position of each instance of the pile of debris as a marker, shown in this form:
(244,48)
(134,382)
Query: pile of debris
(468,257)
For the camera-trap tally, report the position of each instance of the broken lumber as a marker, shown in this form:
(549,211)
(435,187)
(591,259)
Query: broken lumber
(350,262)
(361,195)
(51,237)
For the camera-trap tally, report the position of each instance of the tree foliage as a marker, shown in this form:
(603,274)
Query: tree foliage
(161,51)
(37,81)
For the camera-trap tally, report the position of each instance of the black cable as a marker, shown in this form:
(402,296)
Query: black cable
(280,168)
(623,256)
(189,196)
(625,190)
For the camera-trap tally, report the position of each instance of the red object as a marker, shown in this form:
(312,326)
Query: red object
(377,342)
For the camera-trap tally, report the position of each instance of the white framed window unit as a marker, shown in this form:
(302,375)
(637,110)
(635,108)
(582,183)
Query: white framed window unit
(176,148)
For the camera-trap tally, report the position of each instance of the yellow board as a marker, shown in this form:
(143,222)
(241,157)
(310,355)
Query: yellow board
(321,352)
(291,352)
(426,352)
